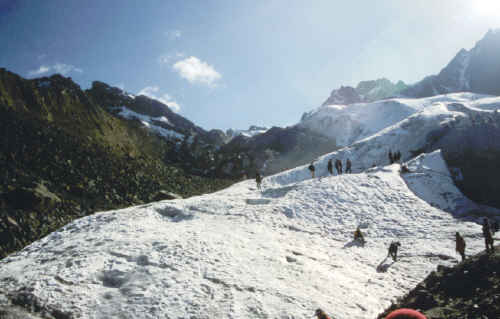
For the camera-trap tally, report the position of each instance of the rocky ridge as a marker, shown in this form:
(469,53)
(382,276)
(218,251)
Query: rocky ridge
(470,290)
(365,91)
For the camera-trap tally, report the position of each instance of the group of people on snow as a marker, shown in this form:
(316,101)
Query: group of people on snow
(394,157)
(338,166)
(460,245)
(488,231)
(329,167)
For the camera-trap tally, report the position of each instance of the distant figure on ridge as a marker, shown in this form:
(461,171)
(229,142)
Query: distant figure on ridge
(330,166)
(320,314)
(488,238)
(258,180)
(460,245)
(348,166)
(338,166)
(358,236)
(393,250)
(312,169)
(391,158)
(396,156)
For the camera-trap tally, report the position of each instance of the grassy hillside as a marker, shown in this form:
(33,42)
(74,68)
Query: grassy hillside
(63,156)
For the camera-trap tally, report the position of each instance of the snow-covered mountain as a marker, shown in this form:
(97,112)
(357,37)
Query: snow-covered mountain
(279,253)
(350,123)
(152,114)
(252,131)
(476,70)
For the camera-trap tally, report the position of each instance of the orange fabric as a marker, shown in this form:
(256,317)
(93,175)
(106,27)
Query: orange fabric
(405,313)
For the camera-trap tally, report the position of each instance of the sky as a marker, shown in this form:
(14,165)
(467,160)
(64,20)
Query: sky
(231,64)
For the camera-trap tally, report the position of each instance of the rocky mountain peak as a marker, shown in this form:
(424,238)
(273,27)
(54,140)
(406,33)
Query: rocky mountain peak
(476,70)
(343,95)
(365,91)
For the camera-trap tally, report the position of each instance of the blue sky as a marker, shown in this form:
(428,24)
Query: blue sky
(230,64)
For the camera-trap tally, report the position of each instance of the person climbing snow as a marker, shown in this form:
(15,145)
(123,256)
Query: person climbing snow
(397,156)
(312,169)
(338,166)
(330,166)
(258,180)
(358,236)
(393,250)
(348,166)
(488,238)
(391,158)
(460,245)
(320,314)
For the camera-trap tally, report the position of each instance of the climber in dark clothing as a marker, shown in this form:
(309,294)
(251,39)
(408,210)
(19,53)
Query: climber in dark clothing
(393,250)
(397,156)
(460,245)
(488,238)
(391,158)
(358,236)
(338,166)
(320,314)
(330,166)
(348,166)
(258,180)
(311,169)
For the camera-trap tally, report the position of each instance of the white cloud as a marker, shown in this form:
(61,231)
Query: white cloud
(65,68)
(41,70)
(196,71)
(56,68)
(173,34)
(152,92)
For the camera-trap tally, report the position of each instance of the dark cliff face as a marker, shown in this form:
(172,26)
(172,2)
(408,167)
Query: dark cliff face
(476,70)
(344,95)
(484,69)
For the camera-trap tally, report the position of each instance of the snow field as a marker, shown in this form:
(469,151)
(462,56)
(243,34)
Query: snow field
(241,253)
(279,253)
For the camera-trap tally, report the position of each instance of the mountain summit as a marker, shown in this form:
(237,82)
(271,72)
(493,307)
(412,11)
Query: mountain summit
(476,70)
(365,91)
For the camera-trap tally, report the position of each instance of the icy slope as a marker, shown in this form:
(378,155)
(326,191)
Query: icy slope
(351,123)
(240,253)
(432,119)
